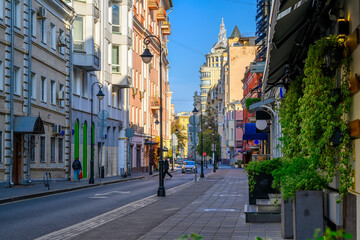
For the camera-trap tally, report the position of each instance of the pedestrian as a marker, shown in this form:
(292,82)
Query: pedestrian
(166,168)
(77,168)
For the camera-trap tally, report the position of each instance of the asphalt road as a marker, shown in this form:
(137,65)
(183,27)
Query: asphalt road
(33,218)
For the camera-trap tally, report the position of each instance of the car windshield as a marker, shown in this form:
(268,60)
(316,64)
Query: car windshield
(189,163)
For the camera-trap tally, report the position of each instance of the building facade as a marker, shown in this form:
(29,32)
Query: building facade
(35,90)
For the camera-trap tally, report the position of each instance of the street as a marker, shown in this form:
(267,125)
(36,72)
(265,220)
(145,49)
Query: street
(212,207)
(29,219)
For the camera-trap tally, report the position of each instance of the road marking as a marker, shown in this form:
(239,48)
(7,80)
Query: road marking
(219,210)
(85,226)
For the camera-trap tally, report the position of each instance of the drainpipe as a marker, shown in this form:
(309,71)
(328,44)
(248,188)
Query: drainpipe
(29,89)
(12,93)
(68,174)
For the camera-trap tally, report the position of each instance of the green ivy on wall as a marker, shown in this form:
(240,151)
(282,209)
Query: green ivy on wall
(312,116)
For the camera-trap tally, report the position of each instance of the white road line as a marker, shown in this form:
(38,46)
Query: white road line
(85,226)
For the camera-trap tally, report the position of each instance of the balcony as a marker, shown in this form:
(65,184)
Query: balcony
(161,14)
(166,28)
(153,4)
(155,103)
(87,59)
(121,80)
(142,20)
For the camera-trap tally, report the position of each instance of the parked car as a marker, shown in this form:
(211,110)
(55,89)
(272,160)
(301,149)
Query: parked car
(188,166)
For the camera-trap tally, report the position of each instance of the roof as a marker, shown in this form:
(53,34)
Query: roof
(236,33)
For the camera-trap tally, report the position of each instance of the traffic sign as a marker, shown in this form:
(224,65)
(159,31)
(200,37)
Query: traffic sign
(204,154)
(103,115)
(194,120)
(191,129)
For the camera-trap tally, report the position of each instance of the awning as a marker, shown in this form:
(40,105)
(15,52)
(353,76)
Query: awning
(250,133)
(289,32)
(151,143)
(255,106)
(33,125)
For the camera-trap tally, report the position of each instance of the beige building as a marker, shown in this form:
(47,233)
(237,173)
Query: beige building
(184,122)
(34,90)
(210,71)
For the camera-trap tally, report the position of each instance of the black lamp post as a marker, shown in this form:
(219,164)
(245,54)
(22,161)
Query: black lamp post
(147,57)
(100,95)
(202,152)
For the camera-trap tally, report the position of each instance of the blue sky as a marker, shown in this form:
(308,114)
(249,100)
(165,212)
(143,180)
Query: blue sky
(195,26)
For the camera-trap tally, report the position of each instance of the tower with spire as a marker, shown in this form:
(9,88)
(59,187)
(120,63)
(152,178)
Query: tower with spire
(222,40)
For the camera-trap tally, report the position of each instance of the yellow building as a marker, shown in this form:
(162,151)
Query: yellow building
(184,122)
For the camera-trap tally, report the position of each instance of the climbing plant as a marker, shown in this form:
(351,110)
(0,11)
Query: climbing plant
(313,116)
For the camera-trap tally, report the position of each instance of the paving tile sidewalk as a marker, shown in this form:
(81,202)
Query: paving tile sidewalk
(217,214)
(38,189)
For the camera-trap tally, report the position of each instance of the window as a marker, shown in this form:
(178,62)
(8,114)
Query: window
(1,9)
(109,53)
(43,30)
(43,89)
(52,149)
(115,59)
(61,102)
(114,98)
(119,98)
(42,149)
(33,22)
(77,81)
(61,48)
(17,13)
(17,81)
(78,33)
(1,142)
(52,36)
(1,75)
(53,92)
(109,11)
(33,85)
(84,84)
(115,18)
(60,149)
(32,150)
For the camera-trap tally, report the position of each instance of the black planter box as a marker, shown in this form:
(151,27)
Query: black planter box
(308,214)
(262,188)
(286,219)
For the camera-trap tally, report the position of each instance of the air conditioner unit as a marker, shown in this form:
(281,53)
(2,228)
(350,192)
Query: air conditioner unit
(57,129)
(142,94)
(62,40)
(61,95)
(41,13)
(135,90)
(151,65)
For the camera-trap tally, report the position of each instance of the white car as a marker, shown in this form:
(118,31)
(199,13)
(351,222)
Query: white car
(188,166)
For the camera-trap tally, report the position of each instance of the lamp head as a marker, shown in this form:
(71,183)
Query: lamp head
(176,131)
(100,95)
(195,111)
(157,122)
(146,56)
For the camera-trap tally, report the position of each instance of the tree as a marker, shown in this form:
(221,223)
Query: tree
(180,134)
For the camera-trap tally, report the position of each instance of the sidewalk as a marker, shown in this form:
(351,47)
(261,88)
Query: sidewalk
(212,207)
(37,189)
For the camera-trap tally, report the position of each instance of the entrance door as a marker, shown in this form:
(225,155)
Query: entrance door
(138,158)
(17,159)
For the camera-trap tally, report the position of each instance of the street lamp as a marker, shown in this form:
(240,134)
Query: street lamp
(147,57)
(100,95)
(195,112)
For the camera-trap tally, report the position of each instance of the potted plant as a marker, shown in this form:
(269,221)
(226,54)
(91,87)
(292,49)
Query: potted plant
(260,178)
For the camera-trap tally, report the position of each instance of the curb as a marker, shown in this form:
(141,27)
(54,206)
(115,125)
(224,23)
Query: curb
(41,194)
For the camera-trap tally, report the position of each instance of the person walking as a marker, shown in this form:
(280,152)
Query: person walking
(166,168)
(77,168)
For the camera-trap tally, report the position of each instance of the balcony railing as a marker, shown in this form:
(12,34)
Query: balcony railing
(153,4)
(155,103)
(79,46)
(161,15)
(166,28)
(142,19)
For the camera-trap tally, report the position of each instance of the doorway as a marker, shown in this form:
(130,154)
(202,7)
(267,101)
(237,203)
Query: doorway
(17,159)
